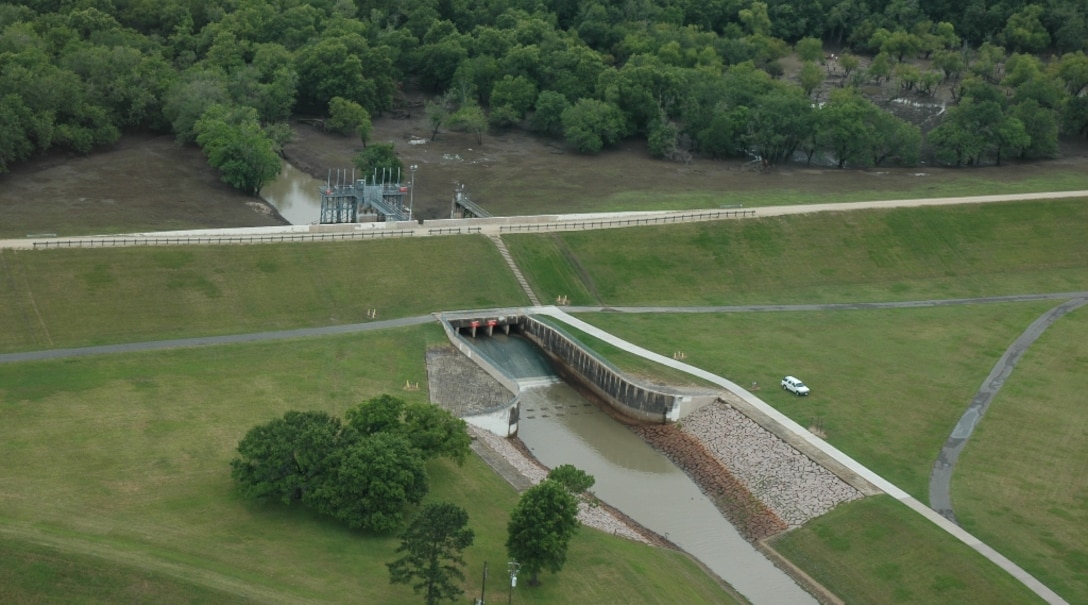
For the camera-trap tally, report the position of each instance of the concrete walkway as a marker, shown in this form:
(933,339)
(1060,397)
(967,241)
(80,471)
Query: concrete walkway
(204,341)
(496,225)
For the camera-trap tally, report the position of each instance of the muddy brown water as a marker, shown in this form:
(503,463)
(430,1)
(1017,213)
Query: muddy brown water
(560,426)
(295,195)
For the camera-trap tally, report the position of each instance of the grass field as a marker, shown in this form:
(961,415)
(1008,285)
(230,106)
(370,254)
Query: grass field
(1022,482)
(903,254)
(878,551)
(64,298)
(122,461)
(947,184)
(36,573)
(888,384)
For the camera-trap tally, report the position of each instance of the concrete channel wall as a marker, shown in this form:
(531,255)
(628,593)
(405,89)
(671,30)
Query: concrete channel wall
(502,421)
(625,395)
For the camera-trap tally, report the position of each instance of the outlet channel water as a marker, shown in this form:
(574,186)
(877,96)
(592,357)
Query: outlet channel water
(561,427)
(295,195)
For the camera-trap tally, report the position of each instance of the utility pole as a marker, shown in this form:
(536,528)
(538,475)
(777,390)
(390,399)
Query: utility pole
(412,190)
(512,567)
(483,586)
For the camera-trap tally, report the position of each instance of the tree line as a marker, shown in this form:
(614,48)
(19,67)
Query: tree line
(688,77)
(368,469)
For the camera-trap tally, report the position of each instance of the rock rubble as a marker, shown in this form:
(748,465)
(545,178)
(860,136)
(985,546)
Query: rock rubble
(761,484)
(459,385)
(793,486)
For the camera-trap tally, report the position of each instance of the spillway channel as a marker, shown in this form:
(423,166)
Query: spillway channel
(560,426)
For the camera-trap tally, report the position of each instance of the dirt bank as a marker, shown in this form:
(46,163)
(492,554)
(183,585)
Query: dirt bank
(752,518)
(148,182)
(143,182)
(513,172)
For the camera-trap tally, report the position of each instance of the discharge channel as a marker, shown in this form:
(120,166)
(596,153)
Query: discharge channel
(561,427)
(295,195)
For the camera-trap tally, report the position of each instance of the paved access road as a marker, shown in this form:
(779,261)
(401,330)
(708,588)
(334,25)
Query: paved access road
(204,341)
(940,496)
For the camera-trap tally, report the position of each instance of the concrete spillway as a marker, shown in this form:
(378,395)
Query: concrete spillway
(561,427)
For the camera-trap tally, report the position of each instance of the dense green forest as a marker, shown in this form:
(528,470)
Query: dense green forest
(690,76)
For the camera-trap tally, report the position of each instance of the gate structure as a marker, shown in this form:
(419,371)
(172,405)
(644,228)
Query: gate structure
(379,198)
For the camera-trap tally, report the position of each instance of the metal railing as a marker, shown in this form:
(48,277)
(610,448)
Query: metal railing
(106,242)
(266,238)
(453,230)
(628,222)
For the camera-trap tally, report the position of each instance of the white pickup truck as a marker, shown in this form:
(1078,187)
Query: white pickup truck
(794,385)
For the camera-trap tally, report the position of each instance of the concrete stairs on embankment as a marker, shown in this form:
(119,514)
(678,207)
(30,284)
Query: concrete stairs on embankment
(514,267)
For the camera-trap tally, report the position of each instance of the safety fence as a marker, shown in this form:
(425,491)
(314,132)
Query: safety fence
(453,230)
(267,238)
(628,222)
(105,242)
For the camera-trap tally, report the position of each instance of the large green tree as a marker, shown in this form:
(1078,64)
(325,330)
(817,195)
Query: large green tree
(512,97)
(779,122)
(589,125)
(541,527)
(232,139)
(548,117)
(347,117)
(377,158)
(188,99)
(469,117)
(16,131)
(430,550)
(374,479)
(432,430)
(571,477)
(286,459)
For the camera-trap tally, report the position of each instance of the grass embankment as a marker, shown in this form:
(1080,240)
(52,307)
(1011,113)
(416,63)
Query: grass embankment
(1022,482)
(888,387)
(944,183)
(887,384)
(878,551)
(122,460)
(877,255)
(915,371)
(34,573)
(66,298)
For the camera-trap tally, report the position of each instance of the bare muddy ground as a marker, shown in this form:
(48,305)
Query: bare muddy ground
(513,173)
(143,182)
(148,182)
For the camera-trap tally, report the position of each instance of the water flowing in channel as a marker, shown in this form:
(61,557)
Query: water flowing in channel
(561,427)
(295,195)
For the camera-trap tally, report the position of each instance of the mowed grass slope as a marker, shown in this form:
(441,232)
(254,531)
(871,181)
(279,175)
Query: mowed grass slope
(36,573)
(1022,482)
(887,384)
(65,298)
(865,255)
(865,186)
(878,551)
(122,461)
